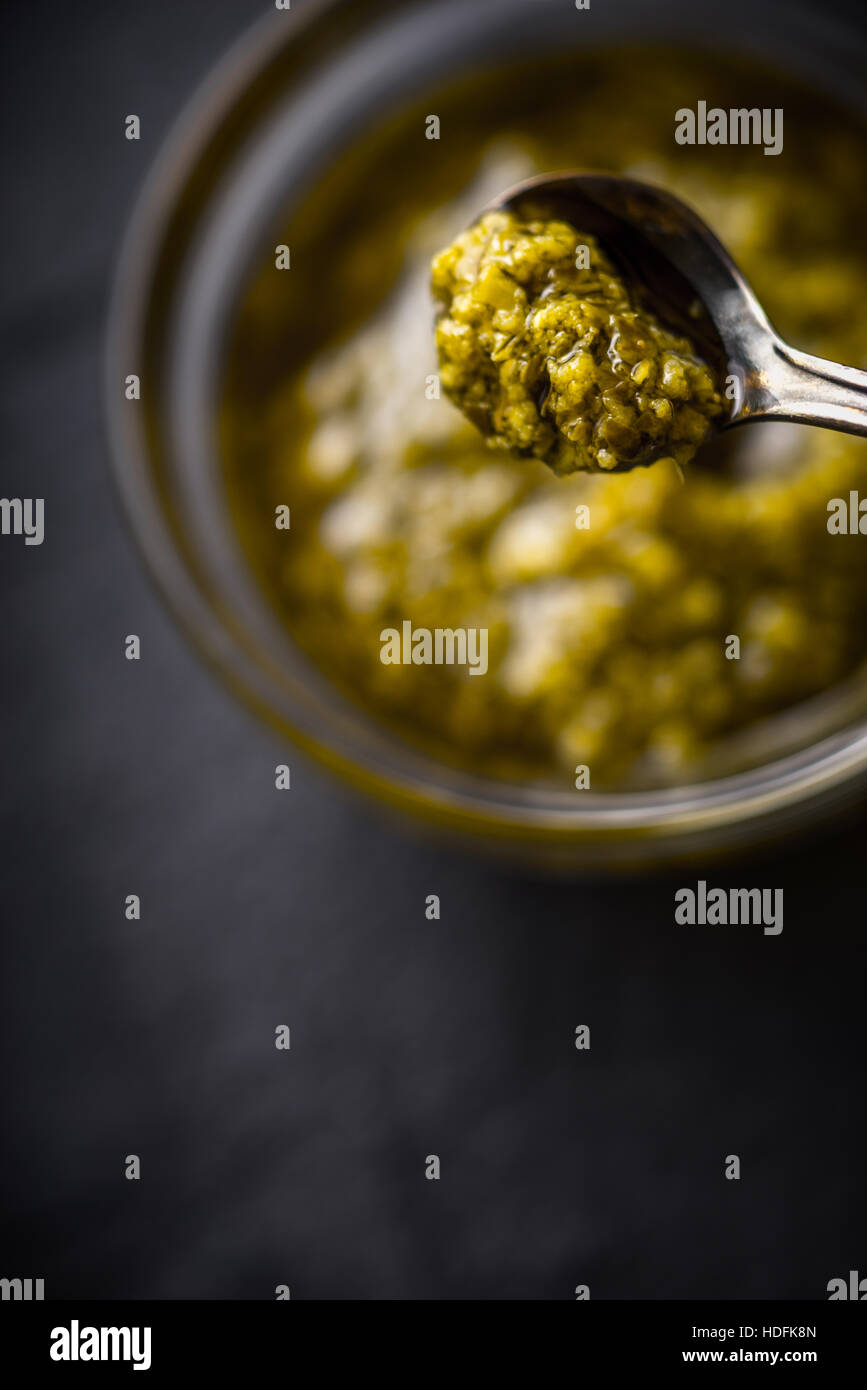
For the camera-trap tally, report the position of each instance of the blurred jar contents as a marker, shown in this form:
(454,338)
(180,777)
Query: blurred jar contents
(609,601)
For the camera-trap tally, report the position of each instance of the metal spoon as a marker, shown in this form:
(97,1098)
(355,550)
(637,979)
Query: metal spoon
(694,286)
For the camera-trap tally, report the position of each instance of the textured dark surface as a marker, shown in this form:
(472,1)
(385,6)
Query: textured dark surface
(408,1037)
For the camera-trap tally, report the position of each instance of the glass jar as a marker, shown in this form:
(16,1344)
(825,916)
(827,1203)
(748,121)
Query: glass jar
(290,96)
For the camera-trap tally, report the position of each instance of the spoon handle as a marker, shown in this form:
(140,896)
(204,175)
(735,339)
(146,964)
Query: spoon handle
(792,385)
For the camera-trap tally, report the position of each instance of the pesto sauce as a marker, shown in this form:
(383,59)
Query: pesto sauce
(608,597)
(544,347)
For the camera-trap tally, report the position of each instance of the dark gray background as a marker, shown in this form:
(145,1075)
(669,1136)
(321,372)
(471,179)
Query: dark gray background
(408,1038)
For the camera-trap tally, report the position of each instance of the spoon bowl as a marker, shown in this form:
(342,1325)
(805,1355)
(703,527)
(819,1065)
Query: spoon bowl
(686,276)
